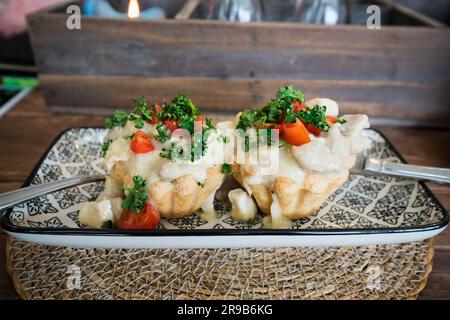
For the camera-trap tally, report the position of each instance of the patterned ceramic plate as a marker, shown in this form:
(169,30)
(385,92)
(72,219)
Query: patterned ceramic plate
(365,210)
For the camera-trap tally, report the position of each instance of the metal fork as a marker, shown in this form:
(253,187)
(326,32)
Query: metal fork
(370,166)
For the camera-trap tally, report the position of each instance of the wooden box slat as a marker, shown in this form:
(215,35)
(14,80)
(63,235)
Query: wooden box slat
(220,49)
(376,98)
(400,72)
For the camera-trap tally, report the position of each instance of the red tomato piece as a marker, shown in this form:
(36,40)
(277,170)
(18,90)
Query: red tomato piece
(313,129)
(331,120)
(148,218)
(172,125)
(298,106)
(295,133)
(141,143)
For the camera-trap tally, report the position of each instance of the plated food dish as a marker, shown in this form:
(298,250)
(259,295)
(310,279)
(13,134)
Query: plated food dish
(316,152)
(309,147)
(161,161)
(363,210)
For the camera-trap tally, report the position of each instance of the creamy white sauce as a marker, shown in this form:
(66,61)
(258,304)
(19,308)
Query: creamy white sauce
(243,208)
(331,152)
(328,154)
(208,211)
(282,163)
(352,130)
(111,190)
(119,150)
(276,219)
(153,167)
(94,214)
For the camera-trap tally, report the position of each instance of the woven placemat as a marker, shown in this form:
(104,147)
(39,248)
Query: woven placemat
(370,272)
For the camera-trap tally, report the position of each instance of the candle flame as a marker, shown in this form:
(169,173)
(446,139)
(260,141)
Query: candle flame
(133,9)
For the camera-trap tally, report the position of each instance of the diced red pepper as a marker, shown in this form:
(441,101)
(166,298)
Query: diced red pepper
(295,133)
(148,218)
(172,125)
(141,143)
(298,106)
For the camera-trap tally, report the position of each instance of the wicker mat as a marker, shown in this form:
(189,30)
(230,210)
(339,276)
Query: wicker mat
(370,272)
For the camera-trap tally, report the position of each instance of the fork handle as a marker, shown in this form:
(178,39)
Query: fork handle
(11,198)
(381,167)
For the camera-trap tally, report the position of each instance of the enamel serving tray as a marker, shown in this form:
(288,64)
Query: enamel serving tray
(364,211)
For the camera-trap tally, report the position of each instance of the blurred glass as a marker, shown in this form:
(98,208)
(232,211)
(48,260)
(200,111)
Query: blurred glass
(304,11)
(235,10)
(328,12)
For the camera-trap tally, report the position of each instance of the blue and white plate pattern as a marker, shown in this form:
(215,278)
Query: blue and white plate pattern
(361,203)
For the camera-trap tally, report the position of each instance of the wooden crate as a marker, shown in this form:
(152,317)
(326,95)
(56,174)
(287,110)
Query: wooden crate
(395,72)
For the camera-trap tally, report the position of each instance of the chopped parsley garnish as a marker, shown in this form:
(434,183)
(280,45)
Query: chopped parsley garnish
(118,119)
(186,113)
(130,136)
(282,105)
(200,184)
(249,118)
(139,114)
(137,195)
(315,116)
(341,120)
(108,224)
(163,132)
(289,94)
(181,108)
(105,147)
(283,109)
(226,169)
(181,111)
(166,153)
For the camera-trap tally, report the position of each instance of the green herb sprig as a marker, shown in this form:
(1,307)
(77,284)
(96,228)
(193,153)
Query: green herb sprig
(105,147)
(315,116)
(186,113)
(282,109)
(137,195)
(163,132)
(139,114)
(180,108)
(226,169)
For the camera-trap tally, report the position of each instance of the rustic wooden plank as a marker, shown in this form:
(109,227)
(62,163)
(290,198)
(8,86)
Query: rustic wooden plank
(26,133)
(7,186)
(222,49)
(95,94)
(437,287)
(422,147)
(438,283)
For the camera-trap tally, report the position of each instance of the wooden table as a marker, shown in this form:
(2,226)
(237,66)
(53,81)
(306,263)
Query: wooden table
(29,128)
